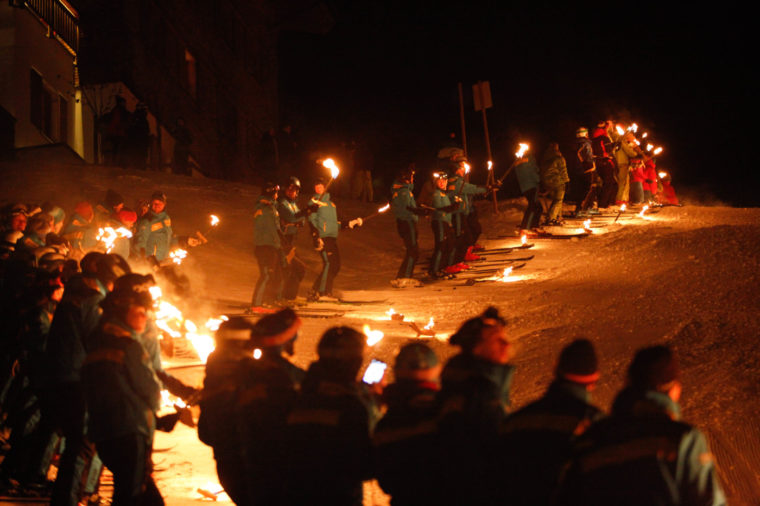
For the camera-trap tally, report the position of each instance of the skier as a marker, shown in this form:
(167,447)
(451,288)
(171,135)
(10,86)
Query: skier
(554,179)
(642,453)
(406,438)
(623,155)
(536,441)
(331,425)
(80,230)
(442,261)
(291,218)
(324,228)
(123,396)
(407,214)
(219,424)
(605,165)
(587,167)
(154,235)
(528,178)
(473,401)
(460,220)
(266,237)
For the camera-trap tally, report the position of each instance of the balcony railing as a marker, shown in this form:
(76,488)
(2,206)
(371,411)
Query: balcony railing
(60,21)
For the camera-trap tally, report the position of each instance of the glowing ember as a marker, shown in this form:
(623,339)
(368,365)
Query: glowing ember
(643,210)
(108,235)
(430,324)
(373,336)
(524,240)
(658,151)
(523,148)
(619,129)
(214,220)
(178,255)
(384,208)
(662,174)
(257,354)
(490,165)
(330,164)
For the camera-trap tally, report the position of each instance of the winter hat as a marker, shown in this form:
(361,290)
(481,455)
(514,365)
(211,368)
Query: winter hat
(158,195)
(654,368)
(57,213)
(88,263)
(320,180)
(342,344)
(118,301)
(40,224)
(113,199)
(50,260)
(135,282)
(270,189)
(276,329)
(126,216)
(109,268)
(417,361)
(581,132)
(577,363)
(471,331)
(236,329)
(84,209)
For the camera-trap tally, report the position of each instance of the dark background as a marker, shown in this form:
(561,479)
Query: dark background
(387,73)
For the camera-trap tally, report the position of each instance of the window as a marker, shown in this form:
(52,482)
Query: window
(191,80)
(40,104)
(63,120)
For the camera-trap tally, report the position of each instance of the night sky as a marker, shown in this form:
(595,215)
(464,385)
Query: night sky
(387,74)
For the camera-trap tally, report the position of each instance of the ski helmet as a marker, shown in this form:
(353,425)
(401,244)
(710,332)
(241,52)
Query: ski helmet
(270,189)
(294,182)
(581,132)
(408,173)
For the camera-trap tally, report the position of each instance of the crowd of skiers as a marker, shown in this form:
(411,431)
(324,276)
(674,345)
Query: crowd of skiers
(442,434)
(68,365)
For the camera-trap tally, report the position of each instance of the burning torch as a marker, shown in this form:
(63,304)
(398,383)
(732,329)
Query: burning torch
(621,211)
(380,210)
(522,149)
(329,163)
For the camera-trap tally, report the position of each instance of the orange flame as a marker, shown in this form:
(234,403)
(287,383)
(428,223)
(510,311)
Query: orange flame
(643,210)
(373,336)
(329,163)
(523,148)
(524,240)
(214,220)
(384,208)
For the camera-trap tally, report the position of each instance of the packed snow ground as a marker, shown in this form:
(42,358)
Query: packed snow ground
(686,276)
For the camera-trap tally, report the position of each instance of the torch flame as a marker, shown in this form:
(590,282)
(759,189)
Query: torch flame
(524,240)
(658,150)
(650,147)
(587,224)
(466,168)
(619,129)
(214,220)
(635,127)
(645,135)
(490,165)
(430,324)
(662,175)
(523,149)
(257,354)
(178,255)
(373,336)
(330,164)
(638,143)
(108,235)
(643,210)
(384,208)
(390,312)
(623,208)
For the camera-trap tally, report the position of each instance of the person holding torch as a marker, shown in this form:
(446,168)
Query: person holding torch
(324,227)
(407,214)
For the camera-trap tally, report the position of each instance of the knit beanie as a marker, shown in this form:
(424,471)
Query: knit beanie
(417,361)
(653,368)
(470,333)
(577,363)
(342,344)
(84,209)
(276,329)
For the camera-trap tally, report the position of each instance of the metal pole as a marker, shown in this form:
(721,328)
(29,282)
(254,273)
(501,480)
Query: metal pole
(461,119)
(488,142)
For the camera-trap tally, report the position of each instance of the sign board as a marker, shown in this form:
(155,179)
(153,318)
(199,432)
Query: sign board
(481,93)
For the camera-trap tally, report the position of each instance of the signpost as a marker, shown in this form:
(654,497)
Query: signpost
(481,92)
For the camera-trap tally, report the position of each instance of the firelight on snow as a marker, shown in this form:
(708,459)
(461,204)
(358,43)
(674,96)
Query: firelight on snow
(373,336)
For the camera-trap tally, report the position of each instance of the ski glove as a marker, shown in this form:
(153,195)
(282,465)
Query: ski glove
(319,244)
